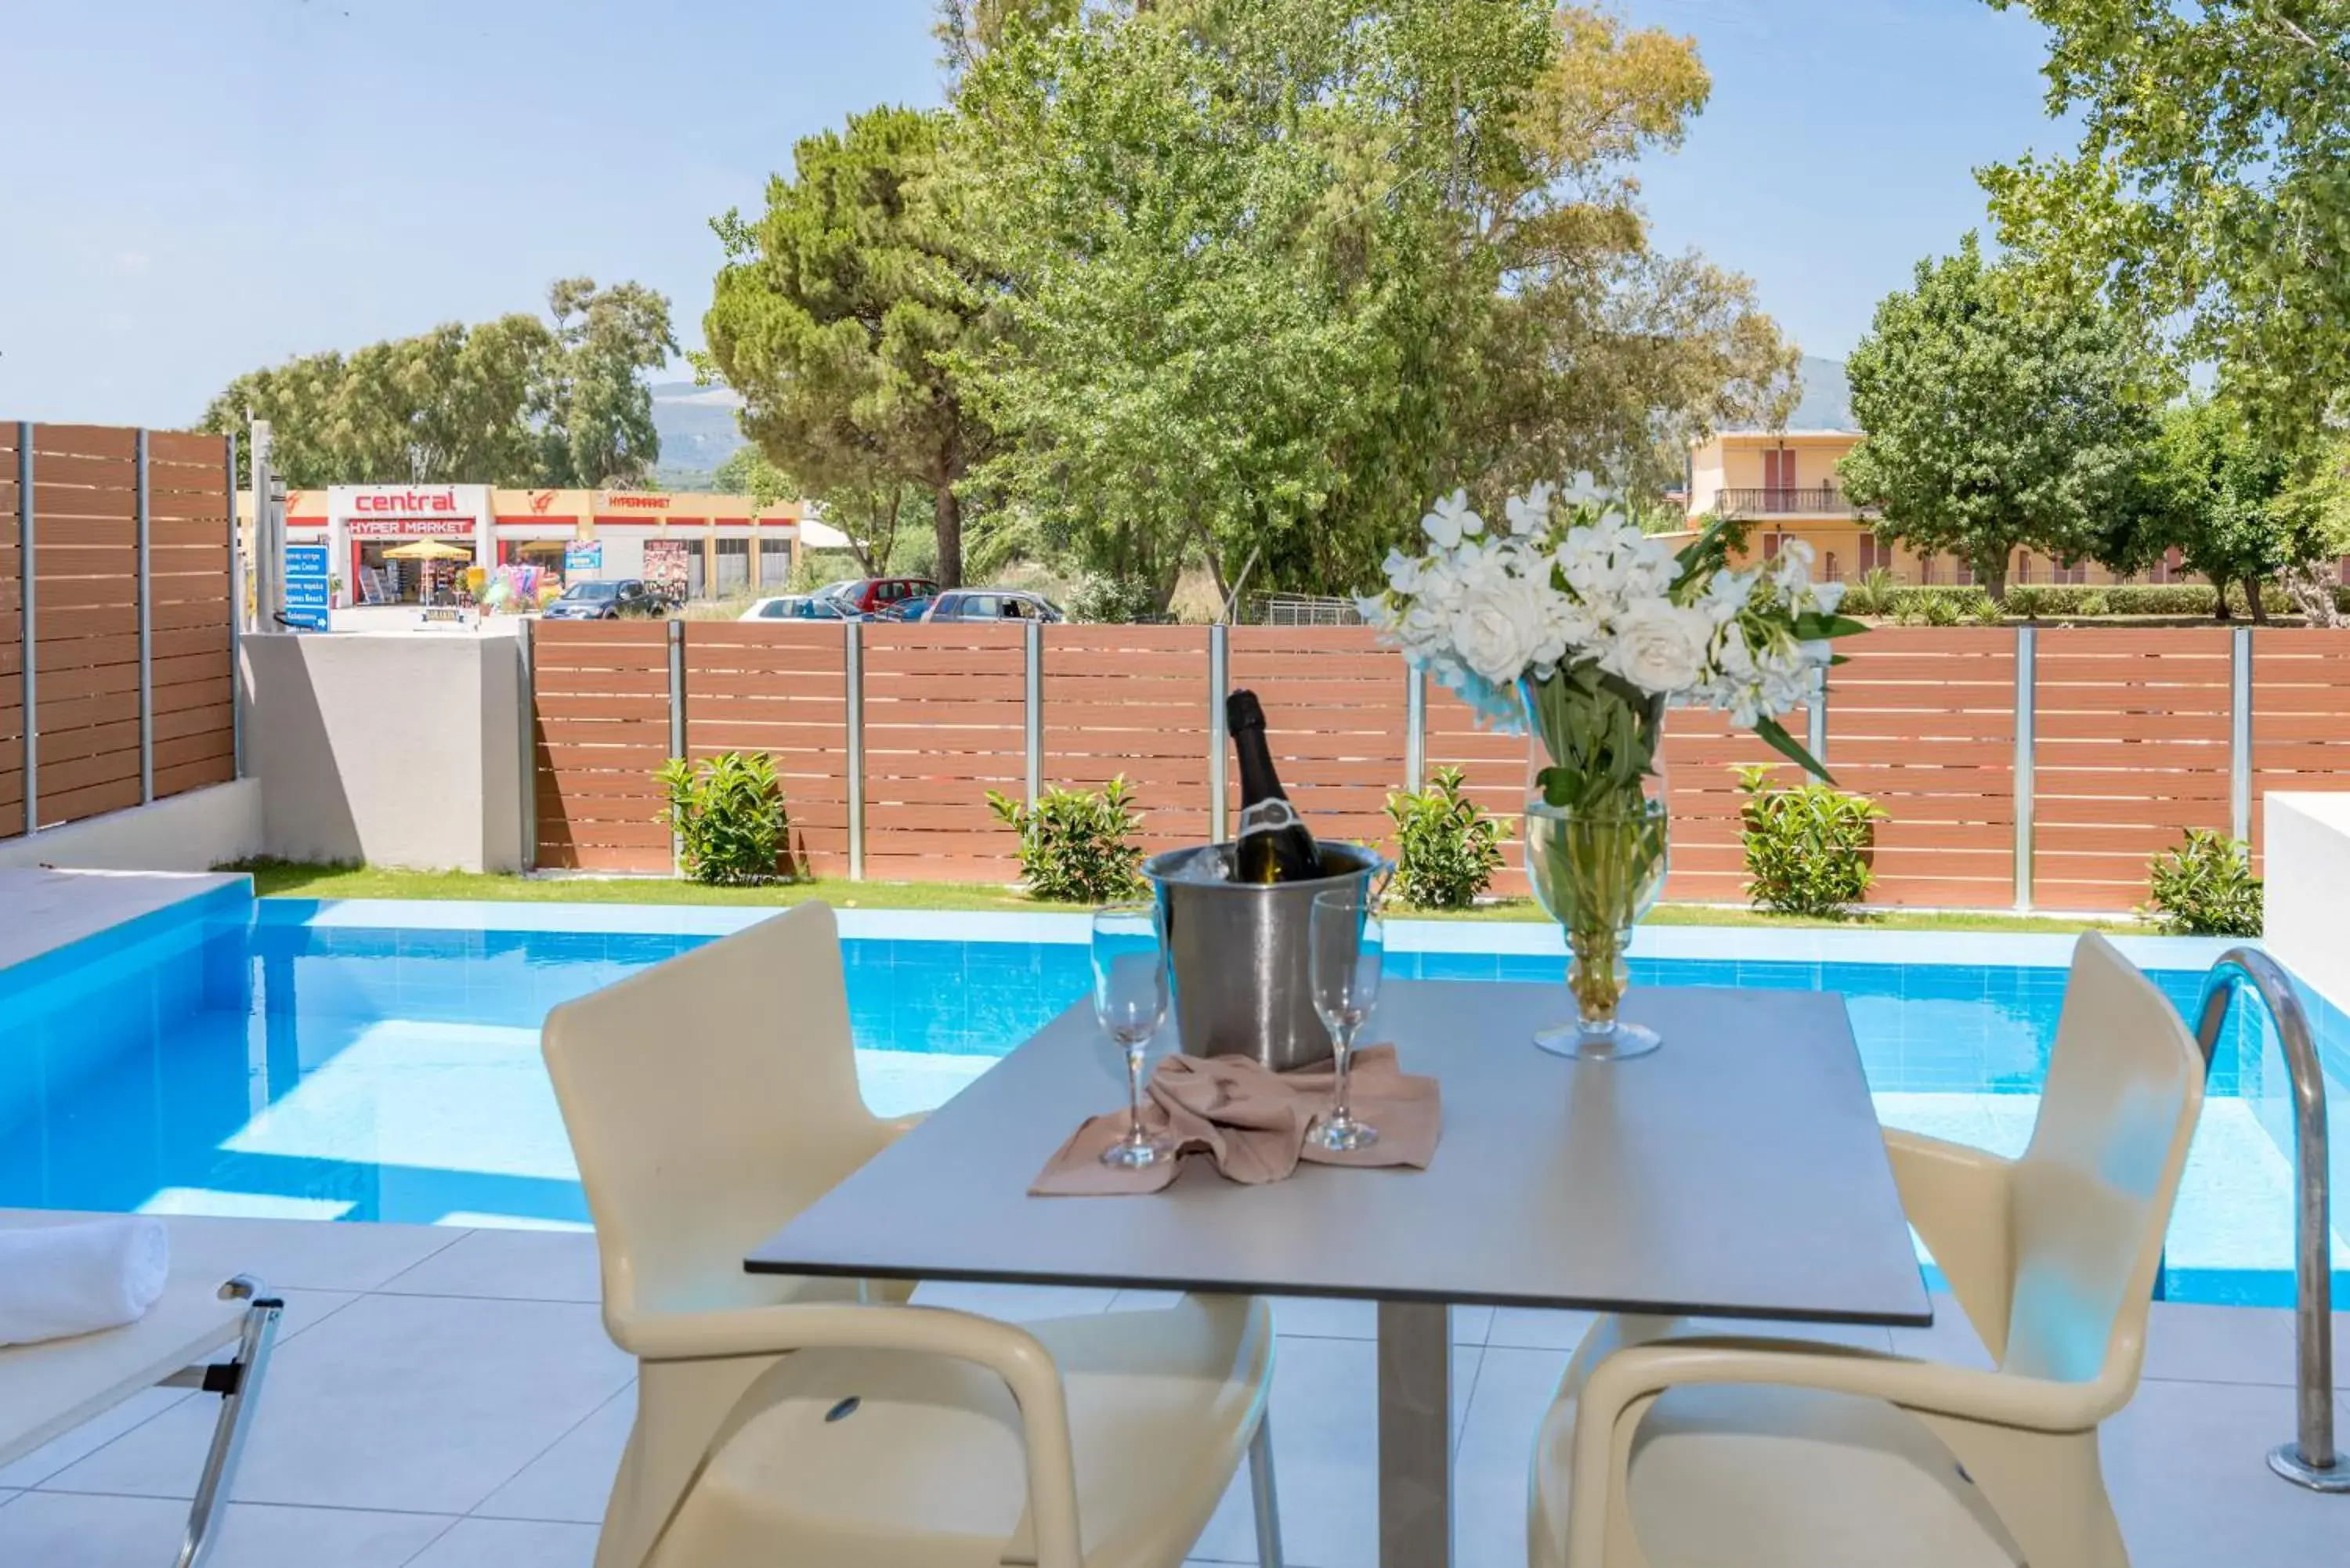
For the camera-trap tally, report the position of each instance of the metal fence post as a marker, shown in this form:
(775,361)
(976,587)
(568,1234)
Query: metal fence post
(676,729)
(1816,717)
(527,674)
(2239,734)
(1415,727)
(1220,681)
(855,668)
(2026,661)
(235,611)
(28,575)
(1033,643)
(144,533)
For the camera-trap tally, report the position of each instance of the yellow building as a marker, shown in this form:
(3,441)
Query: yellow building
(1784,484)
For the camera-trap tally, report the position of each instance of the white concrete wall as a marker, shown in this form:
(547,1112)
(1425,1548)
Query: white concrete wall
(399,748)
(190,832)
(2307,861)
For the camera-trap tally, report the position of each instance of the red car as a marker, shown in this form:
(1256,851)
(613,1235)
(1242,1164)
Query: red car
(871,596)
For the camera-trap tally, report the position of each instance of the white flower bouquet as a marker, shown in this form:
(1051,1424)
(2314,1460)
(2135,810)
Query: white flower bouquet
(1572,619)
(1574,622)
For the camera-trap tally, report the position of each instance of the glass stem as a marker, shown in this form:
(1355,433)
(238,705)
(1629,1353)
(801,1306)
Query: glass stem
(1134,1134)
(1342,1050)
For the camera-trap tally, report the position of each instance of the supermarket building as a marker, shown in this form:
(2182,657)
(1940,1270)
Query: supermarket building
(709,544)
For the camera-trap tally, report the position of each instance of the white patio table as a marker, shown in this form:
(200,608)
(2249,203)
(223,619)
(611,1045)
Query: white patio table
(1738,1172)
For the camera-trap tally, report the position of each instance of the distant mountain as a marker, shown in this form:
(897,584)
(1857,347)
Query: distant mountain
(697,431)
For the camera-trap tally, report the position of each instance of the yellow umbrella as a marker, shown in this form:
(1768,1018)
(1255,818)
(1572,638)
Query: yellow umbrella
(428,550)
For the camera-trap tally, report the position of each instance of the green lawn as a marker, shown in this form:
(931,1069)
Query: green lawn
(278,878)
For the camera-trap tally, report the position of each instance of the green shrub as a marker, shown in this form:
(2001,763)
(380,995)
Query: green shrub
(1941,609)
(1076,846)
(1809,849)
(1447,850)
(729,815)
(2205,888)
(2047,600)
(1983,610)
(2093,603)
(1871,593)
(1111,600)
(1909,612)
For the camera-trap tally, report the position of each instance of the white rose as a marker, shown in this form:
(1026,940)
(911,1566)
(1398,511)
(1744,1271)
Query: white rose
(1659,647)
(1494,637)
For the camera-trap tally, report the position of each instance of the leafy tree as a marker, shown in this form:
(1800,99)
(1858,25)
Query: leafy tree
(748,472)
(2000,411)
(1282,269)
(451,404)
(510,401)
(838,310)
(599,426)
(2230,502)
(2208,186)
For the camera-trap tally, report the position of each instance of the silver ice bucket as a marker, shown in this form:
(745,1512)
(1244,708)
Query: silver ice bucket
(1237,951)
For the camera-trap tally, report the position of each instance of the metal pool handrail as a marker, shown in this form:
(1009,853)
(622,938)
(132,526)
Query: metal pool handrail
(2310,1460)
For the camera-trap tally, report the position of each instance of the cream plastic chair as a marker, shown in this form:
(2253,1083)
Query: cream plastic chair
(1704,1452)
(818,1422)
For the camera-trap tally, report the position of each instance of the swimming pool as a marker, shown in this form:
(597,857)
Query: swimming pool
(376,1060)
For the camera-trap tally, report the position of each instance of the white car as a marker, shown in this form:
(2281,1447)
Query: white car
(783,607)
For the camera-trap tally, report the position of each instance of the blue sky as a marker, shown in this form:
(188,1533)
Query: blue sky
(193,190)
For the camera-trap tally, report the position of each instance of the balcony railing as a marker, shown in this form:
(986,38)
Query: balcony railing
(1817,501)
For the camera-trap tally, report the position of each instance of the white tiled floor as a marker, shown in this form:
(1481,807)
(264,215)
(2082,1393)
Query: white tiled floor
(447,1400)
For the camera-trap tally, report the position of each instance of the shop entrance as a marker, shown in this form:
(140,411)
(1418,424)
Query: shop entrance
(379,578)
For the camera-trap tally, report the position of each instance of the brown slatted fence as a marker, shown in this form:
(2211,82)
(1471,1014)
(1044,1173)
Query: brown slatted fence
(1923,722)
(86,621)
(945,723)
(1336,713)
(2131,745)
(600,733)
(2300,714)
(780,689)
(1132,702)
(188,578)
(1701,757)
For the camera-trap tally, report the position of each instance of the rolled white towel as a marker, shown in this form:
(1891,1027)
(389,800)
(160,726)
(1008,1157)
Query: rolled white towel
(61,1280)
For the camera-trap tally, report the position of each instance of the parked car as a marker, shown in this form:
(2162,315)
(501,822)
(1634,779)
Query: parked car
(605,601)
(905,610)
(871,596)
(992,604)
(781,606)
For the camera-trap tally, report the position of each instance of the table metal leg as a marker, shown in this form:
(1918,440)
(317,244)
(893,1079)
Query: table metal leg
(1415,1434)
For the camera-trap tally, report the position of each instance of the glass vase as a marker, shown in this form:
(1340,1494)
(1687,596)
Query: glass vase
(1597,865)
(1597,872)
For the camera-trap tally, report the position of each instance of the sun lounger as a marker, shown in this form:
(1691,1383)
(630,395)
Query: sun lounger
(49,1388)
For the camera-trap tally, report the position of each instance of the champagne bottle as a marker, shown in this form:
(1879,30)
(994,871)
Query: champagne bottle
(1275,844)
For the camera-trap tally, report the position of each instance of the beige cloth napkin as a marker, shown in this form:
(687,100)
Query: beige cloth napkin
(1251,1122)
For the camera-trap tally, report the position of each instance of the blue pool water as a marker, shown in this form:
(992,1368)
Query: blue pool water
(303,1060)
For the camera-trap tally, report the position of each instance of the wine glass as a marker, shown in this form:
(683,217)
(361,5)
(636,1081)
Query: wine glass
(1130,1002)
(1347,941)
